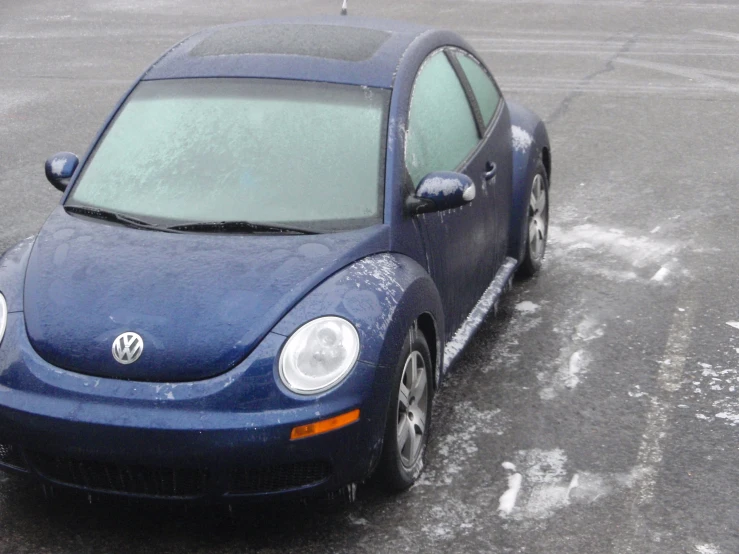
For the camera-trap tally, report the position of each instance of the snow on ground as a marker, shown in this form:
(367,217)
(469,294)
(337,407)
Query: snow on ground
(468,426)
(574,355)
(615,254)
(707,549)
(546,485)
(527,307)
(508,499)
(507,351)
(720,386)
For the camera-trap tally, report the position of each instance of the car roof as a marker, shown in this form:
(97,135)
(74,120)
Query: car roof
(340,49)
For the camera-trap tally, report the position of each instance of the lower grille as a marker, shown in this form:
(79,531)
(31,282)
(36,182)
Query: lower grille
(10,455)
(278,478)
(118,478)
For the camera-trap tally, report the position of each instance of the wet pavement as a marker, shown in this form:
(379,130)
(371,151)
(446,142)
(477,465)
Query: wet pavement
(607,385)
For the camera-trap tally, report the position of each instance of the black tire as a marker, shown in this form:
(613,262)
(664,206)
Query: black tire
(538,220)
(400,467)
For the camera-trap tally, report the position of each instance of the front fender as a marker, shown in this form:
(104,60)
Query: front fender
(13,273)
(529,144)
(382,295)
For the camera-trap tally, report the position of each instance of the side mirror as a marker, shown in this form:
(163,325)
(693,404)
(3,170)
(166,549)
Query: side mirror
(441,190)
(60,168)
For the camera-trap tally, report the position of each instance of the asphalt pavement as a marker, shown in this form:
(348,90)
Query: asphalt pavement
(607,385)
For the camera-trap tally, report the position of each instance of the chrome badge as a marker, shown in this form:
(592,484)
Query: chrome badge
(127,348)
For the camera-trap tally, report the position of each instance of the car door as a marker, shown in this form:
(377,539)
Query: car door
(443,135)
(493,160)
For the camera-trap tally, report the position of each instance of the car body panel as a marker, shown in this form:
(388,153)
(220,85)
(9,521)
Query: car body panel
(89,282)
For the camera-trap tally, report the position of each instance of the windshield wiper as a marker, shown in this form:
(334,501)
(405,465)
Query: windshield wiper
(127,220)
(239,227)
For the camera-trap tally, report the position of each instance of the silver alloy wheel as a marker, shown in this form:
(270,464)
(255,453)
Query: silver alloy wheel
(537,218)
(412,409)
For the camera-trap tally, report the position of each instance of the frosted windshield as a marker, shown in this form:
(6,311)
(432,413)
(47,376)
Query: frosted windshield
(265,151)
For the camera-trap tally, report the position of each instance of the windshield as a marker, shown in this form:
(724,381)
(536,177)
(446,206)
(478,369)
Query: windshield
(304,154)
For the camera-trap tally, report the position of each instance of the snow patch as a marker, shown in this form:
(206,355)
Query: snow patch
(521,140)
(468,426)
(707,549)
(724,382)
(440,186)
(636,250)
(545,485)
(573,360)
(57,165)
(527,307)
(508,498)
(661,274)
(733,418)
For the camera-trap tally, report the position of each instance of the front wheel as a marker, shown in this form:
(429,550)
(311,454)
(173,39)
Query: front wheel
(409,415)
(537,224)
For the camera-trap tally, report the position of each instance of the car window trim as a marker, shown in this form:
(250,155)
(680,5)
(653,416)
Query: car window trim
(469,93)
(456,50)
(493,120)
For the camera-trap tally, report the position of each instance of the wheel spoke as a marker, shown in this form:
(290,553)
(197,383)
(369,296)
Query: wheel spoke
(533,234)
(414,368)
(405,430)
(419,385)
(539,243)
(541,202)
(415,440)
(404,397)
(533,204)
(419,419)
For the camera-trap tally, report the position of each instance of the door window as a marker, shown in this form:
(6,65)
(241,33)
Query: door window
(482,85)
(441,127)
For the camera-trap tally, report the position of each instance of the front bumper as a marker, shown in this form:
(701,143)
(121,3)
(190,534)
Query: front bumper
(217,439)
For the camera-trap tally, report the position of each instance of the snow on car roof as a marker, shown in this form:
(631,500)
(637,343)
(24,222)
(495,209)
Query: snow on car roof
(349,50)
(350,44)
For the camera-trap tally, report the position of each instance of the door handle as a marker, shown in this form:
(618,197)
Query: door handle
(491,168)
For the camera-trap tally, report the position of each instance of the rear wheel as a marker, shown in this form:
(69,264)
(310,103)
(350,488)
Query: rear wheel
(409,415)
(537,227)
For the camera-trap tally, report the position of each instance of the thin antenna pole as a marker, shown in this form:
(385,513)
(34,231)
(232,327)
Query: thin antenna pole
(343,8)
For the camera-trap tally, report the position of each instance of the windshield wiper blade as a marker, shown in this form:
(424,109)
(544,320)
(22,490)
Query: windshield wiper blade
(116,217)
(239,227)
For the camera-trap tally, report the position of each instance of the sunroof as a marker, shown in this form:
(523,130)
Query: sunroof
(351,44)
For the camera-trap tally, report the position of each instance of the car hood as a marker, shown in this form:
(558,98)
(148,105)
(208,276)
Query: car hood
(201,302)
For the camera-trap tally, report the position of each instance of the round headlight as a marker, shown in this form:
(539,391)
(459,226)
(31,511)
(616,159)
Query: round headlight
(3,316)
(319,355)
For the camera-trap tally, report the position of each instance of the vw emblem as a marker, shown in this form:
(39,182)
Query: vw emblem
(127,348)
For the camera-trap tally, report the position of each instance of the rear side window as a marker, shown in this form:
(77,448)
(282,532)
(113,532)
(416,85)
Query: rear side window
(441,128)
(485,91)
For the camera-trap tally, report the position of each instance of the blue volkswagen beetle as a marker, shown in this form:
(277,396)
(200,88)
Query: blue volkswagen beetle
(261,271)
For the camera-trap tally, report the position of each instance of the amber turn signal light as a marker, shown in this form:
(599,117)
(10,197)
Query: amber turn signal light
(324,426)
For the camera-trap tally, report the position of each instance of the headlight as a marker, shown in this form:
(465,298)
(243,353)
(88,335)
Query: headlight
(3,316)
(318,355)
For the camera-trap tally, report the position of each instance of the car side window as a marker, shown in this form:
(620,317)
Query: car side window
(482,85)
(441,128)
